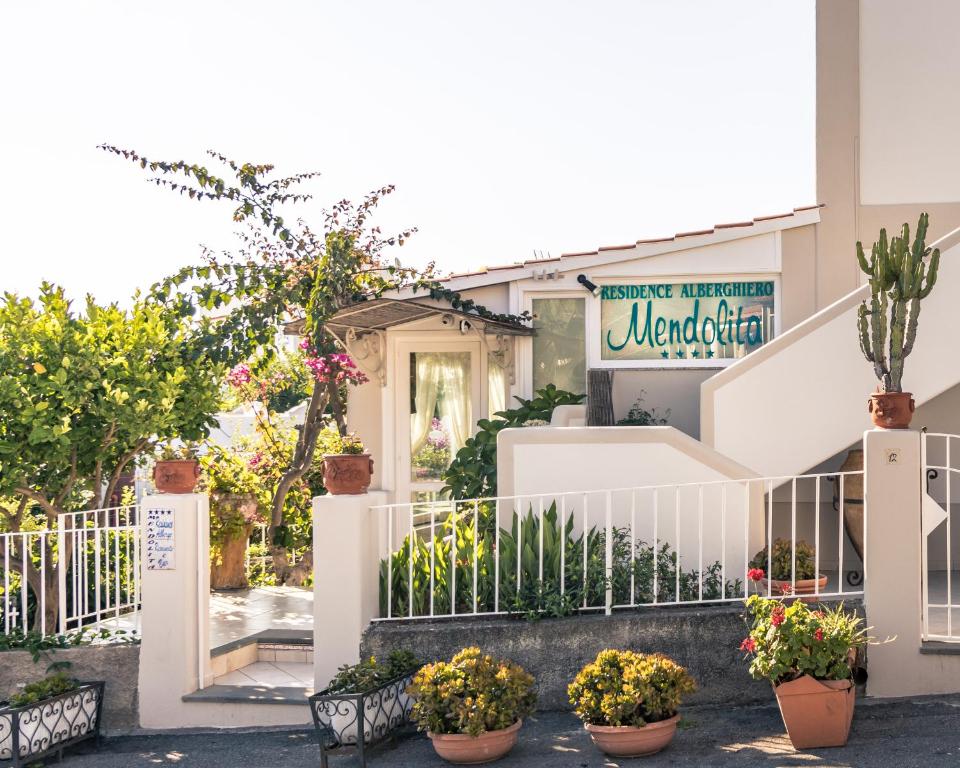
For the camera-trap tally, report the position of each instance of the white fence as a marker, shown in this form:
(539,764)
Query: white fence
(618,548)
(85,571)
(941,453)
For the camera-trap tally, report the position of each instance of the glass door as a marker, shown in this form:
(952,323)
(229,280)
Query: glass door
(440,400)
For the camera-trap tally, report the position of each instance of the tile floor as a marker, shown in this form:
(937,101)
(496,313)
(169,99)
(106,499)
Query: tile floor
(271,674)
(241,613)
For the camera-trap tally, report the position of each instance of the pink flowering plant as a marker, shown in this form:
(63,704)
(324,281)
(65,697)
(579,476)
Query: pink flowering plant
(789,641)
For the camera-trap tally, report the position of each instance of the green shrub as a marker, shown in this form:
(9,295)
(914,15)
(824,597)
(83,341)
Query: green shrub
(638,416)
(473,472)
(48,687)
(370,673)
(781,564)
(473,693)
(627,688)
(787,642)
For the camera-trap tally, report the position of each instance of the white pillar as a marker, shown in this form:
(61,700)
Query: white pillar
(175,594)
(345,578)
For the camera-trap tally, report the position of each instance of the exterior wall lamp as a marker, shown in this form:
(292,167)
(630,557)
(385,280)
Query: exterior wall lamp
(590,286)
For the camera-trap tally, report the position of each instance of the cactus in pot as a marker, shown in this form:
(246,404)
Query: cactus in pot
(900,276)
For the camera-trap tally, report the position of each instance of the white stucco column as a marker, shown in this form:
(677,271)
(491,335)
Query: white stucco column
(175,595)
(346,578)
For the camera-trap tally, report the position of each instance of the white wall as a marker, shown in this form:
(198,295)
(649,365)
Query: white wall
(909,105)
(541,462)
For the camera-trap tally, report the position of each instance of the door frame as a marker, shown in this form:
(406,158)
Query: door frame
(404,485)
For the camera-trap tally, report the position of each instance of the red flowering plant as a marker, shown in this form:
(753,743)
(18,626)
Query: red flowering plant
(789,641)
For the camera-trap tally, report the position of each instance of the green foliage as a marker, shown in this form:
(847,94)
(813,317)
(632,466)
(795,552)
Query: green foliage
(472,694)
(47,688)
(790,641)
(280,381)
(473,472)
(227,471)
(177,450)
(349,445)
(370,673)
(38,645)
(632,579)
(781,564)
(84,394)
(899,278)
(638,416)
(627,688)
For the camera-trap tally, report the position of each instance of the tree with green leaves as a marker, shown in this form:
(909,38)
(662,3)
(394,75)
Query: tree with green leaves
(83,395)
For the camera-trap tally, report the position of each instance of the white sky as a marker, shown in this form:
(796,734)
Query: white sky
(507,126)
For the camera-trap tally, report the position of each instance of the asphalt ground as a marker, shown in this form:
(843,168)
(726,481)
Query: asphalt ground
(890,734)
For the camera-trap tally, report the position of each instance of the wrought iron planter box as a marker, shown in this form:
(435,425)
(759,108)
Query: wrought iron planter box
(35,731)
(360,720)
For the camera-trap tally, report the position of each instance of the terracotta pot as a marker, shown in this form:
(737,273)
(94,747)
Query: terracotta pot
(176,475)
(462,749)
(816,713)
(632,741)
(780,587)
(891,410)
(347,473)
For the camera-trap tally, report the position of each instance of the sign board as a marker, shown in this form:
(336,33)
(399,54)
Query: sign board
(698,322)
(161,549)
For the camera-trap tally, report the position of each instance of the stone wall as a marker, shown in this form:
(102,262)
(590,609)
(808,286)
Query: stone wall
(705,640)
(117,665)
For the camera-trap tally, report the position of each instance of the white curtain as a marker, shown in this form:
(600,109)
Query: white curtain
(442,388)
(427,377)
(496,388)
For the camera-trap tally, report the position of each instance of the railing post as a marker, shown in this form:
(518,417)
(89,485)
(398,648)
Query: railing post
(346,583)
(62,562)
(893,489)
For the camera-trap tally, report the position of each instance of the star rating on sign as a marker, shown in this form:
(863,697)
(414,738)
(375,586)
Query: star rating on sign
(695,353)
(665,354)
(709,353)
(679,352)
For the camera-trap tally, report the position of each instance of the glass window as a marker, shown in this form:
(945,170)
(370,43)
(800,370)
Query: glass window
(559,346)
(441,417)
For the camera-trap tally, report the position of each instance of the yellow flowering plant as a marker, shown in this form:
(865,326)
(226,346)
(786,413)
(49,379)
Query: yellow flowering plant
(473,693)
(628,688)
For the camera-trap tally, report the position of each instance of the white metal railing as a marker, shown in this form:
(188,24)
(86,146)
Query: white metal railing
(937,544)
(83,572)
(678,544)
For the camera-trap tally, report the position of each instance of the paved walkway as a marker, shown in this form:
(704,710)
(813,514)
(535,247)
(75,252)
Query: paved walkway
(908,734)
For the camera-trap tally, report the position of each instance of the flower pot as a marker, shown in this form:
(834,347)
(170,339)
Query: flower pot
(176,475)
(816,713)
(462,749)
(633,741)
(891,410)
(347,473)
(31,732)
(780,587)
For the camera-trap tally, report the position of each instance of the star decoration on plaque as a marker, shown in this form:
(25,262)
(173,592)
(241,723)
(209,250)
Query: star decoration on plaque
(695,353)
(665,353)
(709,353)
(679,352)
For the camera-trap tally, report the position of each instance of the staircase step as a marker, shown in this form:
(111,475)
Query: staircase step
(251,694)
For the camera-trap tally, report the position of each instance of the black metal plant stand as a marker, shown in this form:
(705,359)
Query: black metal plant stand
(47,727)
(357,721)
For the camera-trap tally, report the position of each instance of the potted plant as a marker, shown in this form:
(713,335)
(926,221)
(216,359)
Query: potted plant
(782,579)
(234,510)
(348,471)
(809,657)
(900,276)
(628,701)
(48,715)
(177,469)
(363,703)
(472,707)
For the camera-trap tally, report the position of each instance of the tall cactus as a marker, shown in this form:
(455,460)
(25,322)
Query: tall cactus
(899,278)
